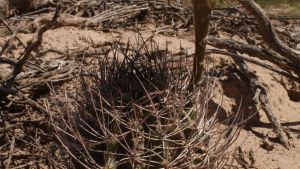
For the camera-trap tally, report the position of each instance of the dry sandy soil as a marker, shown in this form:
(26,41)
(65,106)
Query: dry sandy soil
(230,90)
(287,111)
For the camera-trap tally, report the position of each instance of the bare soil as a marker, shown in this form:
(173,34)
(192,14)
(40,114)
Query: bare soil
(231,92)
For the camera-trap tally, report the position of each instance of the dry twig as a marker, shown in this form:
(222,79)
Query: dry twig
(11,150)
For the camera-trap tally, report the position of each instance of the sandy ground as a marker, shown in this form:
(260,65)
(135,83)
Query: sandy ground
(287,111)
(233,91)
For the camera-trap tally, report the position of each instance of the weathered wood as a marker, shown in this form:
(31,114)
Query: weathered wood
(268,32)
(33,44)
(253,50)
(261,99)
(11,151)
(254,61)
(6,87)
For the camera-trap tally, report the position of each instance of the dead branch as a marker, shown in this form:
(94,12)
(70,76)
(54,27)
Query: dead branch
(11,31)
(33,103)
(268,32)
(8,61)
(33,44)
(234,55)
(109,15)
(253,50)
(273,119)
(8,43)
(241,159)
(260,96)
(11,150)
(9,127)
(6,87)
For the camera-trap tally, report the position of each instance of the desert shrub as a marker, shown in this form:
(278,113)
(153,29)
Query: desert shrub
(136,111)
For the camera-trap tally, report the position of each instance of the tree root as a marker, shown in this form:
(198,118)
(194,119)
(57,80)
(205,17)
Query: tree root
(260,96)
(268,32)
